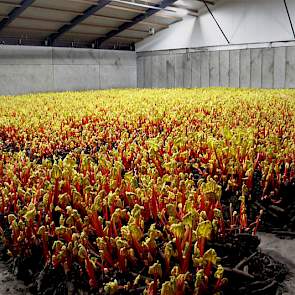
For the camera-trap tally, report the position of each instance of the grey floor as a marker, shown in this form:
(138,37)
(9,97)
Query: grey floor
(284,251)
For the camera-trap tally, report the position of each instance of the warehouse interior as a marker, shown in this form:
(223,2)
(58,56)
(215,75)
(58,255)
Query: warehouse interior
(232,43)
(147,147)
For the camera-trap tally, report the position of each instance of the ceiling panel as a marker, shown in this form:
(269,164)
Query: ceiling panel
(44,17)
(25,33)
(23,23)
(62,4)
(103,20)
(107,11)
(89,30)
(51,14)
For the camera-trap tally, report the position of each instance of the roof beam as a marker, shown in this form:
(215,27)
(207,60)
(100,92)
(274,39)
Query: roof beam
(75,34)
(64,22)
(289,17)
(207,2)
(76,12)
(134,21)
(15,13)
(77,20)
(209,10)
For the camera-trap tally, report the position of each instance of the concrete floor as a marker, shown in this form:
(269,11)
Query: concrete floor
(8,284)
(283,250)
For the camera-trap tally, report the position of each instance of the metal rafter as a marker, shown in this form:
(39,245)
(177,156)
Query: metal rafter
(208,2)
(289,17)
(15,13)
(65,22)
(99,16)
(209,10)
(139,18)
(77,20)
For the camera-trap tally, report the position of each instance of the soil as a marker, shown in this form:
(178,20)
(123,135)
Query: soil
(279,251)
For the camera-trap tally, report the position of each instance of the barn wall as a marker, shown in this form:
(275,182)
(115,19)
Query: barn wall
(268,67)
(42,69)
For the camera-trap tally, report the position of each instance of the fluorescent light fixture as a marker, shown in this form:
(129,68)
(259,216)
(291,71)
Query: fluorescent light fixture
(177,10)
(180,11)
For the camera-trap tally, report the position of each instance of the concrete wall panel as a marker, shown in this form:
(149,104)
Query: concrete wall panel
(140,72)
(205,75)
(187,71)
(256,68)
(147,72)
(179,70)
(170,67)
(234,68)
(196,69)
(162,83)
(224,68)
(247,67)
(25,55)
(158,71)
(267,67)
(156,68)
(245,73)
(116,57)
(25,69)
(119,77)
(214,69)
(290,67)
(72,56)
(76,77)
(279,67)
(21,79)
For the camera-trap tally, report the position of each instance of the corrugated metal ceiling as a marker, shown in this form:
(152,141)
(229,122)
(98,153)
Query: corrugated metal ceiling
(42,19)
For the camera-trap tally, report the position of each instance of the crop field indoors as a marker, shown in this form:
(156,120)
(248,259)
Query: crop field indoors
(147,147)
(147,191)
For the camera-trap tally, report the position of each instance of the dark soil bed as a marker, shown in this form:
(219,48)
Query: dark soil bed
(248,268)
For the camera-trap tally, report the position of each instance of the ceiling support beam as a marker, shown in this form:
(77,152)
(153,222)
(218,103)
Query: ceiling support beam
(139,18)
(209,10)
(75,13)
(77,20)
(46,20)
(15,13)
(290,20)
(207,1)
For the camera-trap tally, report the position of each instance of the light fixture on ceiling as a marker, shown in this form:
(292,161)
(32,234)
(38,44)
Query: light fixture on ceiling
(133,3)
(180,11)
(177,10)
(151,31)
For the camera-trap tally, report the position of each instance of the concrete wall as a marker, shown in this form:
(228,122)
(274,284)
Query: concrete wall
(41,69)
(249,67)
(243,21)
